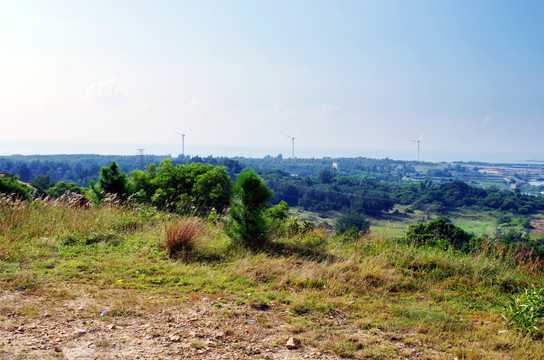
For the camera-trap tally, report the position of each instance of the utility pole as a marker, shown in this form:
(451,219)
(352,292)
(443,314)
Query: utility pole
(141,165)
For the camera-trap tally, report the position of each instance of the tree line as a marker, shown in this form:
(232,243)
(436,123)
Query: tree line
(189,182)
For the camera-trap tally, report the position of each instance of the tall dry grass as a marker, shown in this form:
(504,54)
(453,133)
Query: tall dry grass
(182,235)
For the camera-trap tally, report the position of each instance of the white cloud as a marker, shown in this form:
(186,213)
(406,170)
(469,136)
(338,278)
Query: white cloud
(106,92)
(487,119)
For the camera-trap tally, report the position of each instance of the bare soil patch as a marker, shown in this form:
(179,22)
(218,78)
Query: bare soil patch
(538,226)
(89,327)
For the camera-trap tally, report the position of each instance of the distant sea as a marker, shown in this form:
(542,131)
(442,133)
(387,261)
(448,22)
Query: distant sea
(174,149)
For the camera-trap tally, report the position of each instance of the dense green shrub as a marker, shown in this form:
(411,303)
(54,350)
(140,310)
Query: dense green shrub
(61,188)
(526,311)
(248,224)
(352,222)
(9,185)
(111,180)
(189,189)
(279,212)
(438,233)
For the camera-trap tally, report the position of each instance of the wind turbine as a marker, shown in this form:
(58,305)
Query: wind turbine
(292,145)
(418,141)
(182,142)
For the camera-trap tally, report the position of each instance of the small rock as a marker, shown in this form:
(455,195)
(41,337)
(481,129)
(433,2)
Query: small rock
(57,348)
(175,338)
(112,327)
(105,313)
(252,351)
(80,332)
(79,353)
(293,343)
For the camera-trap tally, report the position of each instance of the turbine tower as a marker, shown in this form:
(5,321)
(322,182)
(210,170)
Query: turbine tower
(292,146)
(418,141)
(182,143)
(141,165)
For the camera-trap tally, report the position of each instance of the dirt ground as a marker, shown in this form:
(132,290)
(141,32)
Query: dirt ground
(538,226)
(38,327)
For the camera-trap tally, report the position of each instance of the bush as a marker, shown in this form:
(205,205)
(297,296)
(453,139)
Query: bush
(111,180)
(280,212)
(526,312)
(185,189)
(352,222)
(61,188)
(248,225)
(438,233)
(181,235)
(10,185)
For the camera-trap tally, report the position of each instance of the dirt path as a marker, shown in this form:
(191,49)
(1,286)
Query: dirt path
(37,327)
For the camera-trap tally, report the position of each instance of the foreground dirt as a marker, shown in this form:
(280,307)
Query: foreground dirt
(88,326)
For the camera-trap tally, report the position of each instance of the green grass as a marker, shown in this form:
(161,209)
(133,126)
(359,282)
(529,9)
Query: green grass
(375,298)
(396,223)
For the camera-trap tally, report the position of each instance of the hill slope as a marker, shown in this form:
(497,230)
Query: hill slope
(98,283)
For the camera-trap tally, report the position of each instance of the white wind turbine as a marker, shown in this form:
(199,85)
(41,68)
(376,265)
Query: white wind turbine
(182,142)
(292,144)
(418,141)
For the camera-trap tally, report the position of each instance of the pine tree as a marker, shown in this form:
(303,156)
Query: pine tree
(248,225)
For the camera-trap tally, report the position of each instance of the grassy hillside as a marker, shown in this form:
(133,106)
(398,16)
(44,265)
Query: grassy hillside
(106,268)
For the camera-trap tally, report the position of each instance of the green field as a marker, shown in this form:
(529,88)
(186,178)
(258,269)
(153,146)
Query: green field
(396,222)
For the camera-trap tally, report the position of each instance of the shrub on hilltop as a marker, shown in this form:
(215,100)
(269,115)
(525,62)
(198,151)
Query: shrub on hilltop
(248,223)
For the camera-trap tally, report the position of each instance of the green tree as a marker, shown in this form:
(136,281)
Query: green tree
(10,185)
(211,188)
(248,225)
(111,180)
(325,176)
(194,188)
(42,182)
(439,233)
(61,187)
(280,212)
(352,221)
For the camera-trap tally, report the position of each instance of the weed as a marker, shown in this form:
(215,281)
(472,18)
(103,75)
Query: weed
(181,235)
(526,312)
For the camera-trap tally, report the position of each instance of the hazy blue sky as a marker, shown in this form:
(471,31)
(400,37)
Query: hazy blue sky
(235,76)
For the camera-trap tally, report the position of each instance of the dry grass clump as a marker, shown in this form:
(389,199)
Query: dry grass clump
(181,235)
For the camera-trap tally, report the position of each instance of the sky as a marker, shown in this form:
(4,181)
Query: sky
(345,78)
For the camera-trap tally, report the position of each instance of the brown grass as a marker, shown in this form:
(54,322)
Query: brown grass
(182,235)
